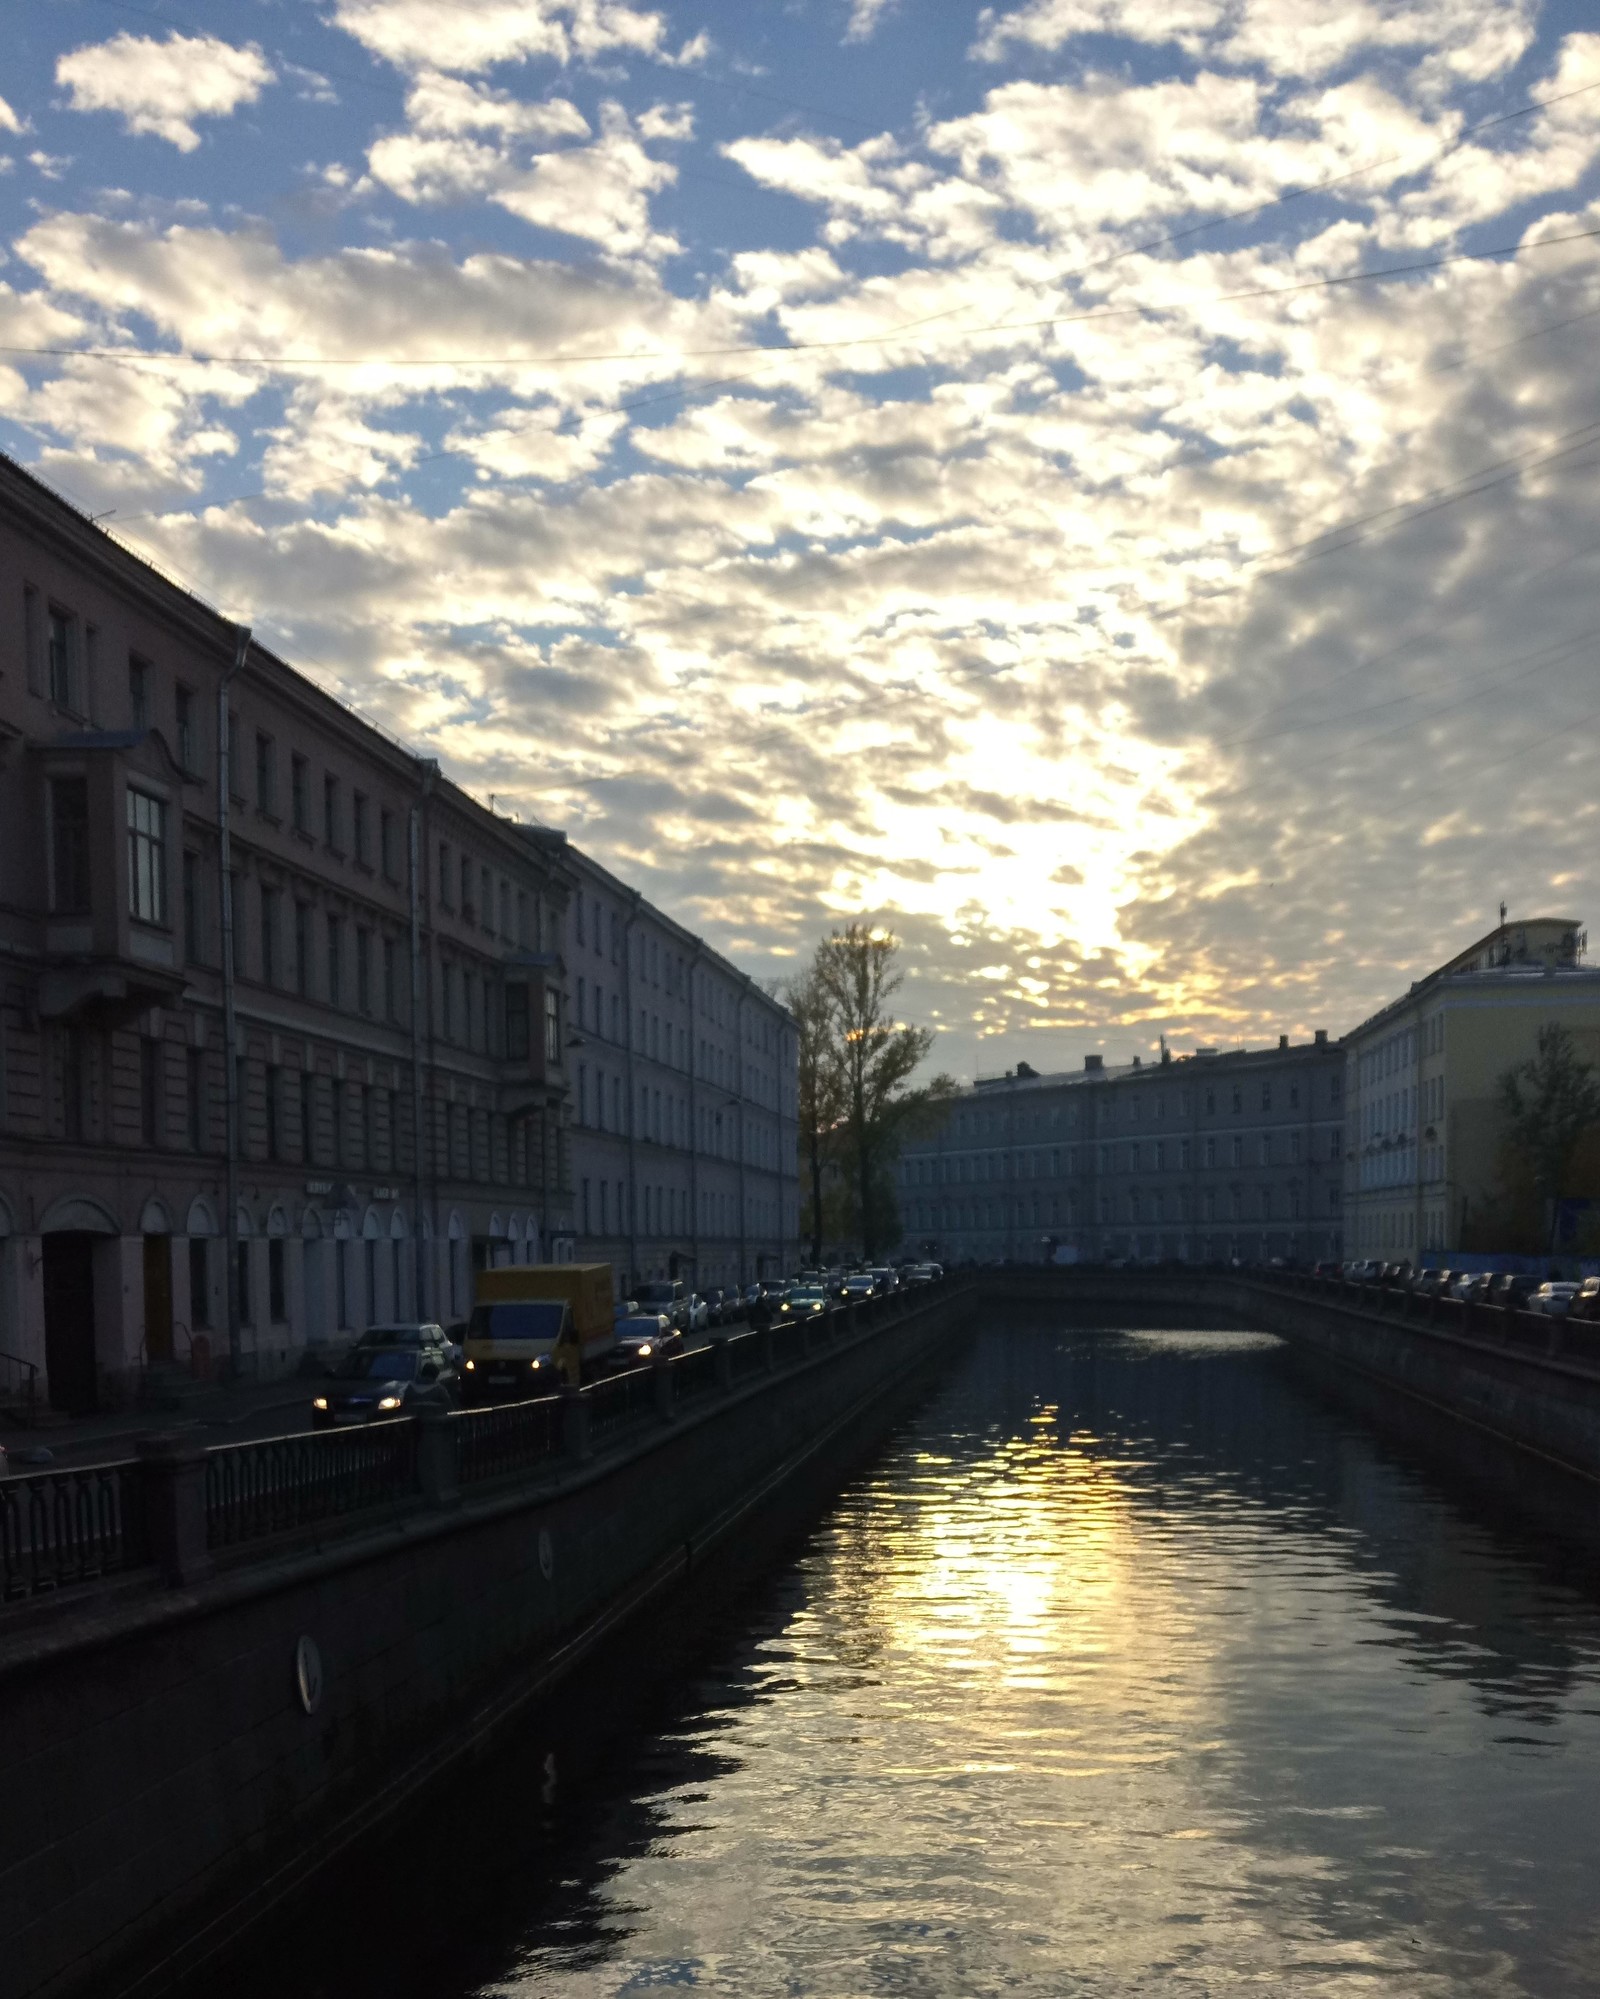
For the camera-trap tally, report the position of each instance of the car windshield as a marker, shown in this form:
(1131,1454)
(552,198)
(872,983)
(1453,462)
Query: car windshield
(519,1319)
(637,1329)
(807,1294)
(379,1364)
(393,1336)
(657,1294)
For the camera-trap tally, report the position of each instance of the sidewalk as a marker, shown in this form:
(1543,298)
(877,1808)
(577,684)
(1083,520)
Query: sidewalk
(216,1412)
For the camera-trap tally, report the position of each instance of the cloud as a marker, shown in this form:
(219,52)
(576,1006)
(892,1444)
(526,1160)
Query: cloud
(865,16)
(444,35)
(159,88)
(9,121)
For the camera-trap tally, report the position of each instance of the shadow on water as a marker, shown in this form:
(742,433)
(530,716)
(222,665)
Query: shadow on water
(1209,1454)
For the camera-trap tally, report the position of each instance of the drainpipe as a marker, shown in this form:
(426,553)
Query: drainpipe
(427,771)
(230,1025)
(694,1123)
(633,1102)
(738,1035)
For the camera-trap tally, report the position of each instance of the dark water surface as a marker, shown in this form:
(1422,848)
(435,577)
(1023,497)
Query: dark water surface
(1129,1668)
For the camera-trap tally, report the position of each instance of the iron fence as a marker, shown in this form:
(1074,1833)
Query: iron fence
(619,1400)
(694,1374)
(261,1489)
(64,1527)
(745,1356)
(19,1387)
(493,1443)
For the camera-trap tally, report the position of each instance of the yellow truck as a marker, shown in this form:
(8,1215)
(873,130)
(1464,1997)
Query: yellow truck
(534,1327)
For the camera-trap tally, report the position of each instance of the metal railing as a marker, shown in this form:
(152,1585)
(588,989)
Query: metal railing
(618,1400)
(19,1387)
(694,1374)
(256,1490)
(64,1527)
(495,1443)
(745,1356)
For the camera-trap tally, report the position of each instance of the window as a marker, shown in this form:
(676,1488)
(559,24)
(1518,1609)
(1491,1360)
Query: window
(235,895)
(241,1280)
(265,789)
(69,845)
(302,949)
(485,900)
(138,692)
(1238,1099)
(191,907)
(516,1023)
(335,960)
(552,1025)
(1238,1152)
(299,794)
(363,1125)
(199,1282)
(358,827)
(364,971)
(194,1081)
(269,936)
(387,846)
(149,1091)
(188,748)
(277,1308)
(147,857)
(274,1095)
(330,811)
(447,985)
(466,888)
(505,910)
(308,1115)
(61,635)
(1266,1096)
(336,1098)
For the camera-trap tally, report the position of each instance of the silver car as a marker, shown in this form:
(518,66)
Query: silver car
(1553,1299)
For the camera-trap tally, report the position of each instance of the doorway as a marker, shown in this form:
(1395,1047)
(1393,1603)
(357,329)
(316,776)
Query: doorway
(157,1299)
(68,1283)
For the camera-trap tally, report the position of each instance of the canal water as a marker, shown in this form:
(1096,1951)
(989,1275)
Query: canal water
(1130,1666)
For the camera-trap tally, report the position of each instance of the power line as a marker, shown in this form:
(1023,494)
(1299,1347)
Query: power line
(1385,275)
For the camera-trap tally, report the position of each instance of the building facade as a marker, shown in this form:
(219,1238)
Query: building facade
(1422,1077)
(287,1025)
(1193,1158)
(684,1097)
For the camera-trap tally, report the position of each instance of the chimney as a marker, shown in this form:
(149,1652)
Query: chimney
(1322,1037)
(1136,1062)
(1283,1040)
(1094,1062)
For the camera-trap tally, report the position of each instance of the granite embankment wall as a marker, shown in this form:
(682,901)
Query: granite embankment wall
(173,1761)
(1528,1383)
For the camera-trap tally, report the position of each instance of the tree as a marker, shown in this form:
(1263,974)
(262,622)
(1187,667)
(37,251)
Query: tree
(1549,1102)
(821,1106)
(857,976)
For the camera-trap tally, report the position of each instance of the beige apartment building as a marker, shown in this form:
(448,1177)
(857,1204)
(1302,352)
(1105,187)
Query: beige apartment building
(287,1027)
(1421,1076)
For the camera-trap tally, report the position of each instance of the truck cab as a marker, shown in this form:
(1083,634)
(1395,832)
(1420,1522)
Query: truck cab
(536,1328)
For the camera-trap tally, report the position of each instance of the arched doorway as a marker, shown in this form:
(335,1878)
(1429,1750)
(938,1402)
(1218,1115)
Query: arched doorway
(155,1227)
(70,1234)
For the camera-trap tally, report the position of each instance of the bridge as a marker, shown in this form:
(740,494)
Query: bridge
(221,1668)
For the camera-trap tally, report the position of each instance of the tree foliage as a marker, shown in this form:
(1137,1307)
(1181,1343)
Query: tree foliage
(1549,1102)
(821,1103)
(862,1093)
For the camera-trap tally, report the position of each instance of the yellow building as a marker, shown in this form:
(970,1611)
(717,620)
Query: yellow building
(1422,1124)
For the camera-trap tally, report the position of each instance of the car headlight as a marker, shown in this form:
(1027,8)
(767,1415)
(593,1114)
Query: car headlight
(470,1365)
(320,1402)
(645,1351)
(390,1402)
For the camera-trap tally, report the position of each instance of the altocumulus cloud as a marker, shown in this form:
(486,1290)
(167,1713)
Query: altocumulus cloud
(934,513)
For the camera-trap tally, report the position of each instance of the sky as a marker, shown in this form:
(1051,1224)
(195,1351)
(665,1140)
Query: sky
(1106,487)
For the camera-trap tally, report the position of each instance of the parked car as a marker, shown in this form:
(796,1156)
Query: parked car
(805,1301)
(625,1308)
(1510,1289)
(699,1314)
(422,1334)
(1471,1286)
(641,1338)
(1587,1303)
(858,1285)
(1395,1275)
(666,1294)
(717,1309)
(888,1280)
(1325,1269)
(1554,1299)
(374,1382)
